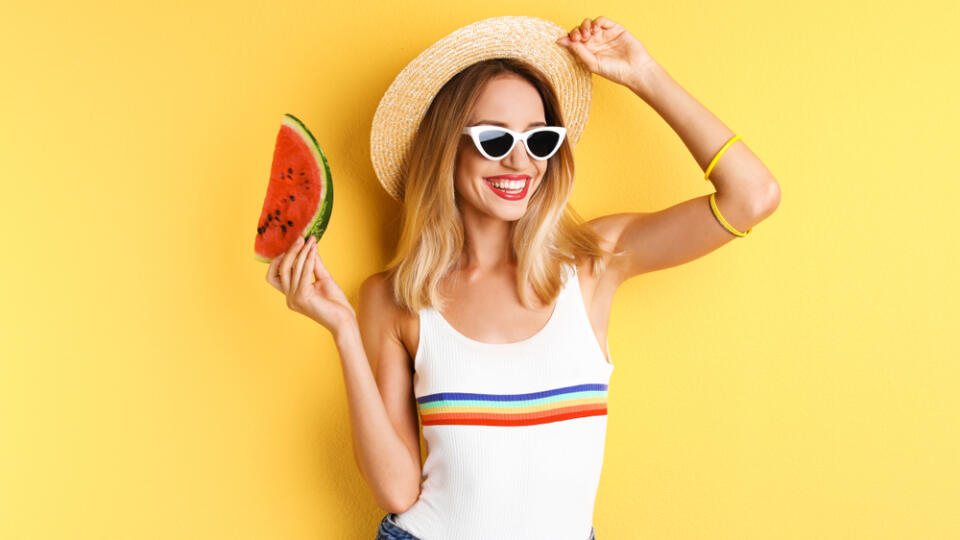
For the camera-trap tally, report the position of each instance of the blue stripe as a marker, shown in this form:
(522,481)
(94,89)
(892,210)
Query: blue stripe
(509,397)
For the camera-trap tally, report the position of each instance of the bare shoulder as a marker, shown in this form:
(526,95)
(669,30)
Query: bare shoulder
(376,296)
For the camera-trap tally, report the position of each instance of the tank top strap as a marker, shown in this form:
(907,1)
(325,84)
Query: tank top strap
(577,308)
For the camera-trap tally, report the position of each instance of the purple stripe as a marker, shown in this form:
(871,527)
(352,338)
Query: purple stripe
(509,397)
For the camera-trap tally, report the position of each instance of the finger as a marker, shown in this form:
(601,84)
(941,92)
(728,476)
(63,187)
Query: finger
(604,22)
(585,28)
(272,277)
(320,270)
(307,280)
(285,265)
(583,54)
(326,283)
(297,274)
(297,270)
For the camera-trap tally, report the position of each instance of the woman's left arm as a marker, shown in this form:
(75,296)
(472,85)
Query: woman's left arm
(746,192)
(738,175)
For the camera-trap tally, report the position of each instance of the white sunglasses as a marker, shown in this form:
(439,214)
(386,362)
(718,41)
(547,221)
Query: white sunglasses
(496,142)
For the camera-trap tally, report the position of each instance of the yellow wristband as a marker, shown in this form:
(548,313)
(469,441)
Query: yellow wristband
(706,174)
(716,212)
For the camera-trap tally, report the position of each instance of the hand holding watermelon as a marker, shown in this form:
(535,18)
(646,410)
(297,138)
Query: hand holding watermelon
(323,300)
(298,204)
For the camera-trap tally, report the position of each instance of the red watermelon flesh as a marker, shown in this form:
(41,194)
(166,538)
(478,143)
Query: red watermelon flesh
(299,196)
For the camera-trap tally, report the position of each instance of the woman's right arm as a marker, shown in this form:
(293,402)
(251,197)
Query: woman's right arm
(376,369)
(383,411)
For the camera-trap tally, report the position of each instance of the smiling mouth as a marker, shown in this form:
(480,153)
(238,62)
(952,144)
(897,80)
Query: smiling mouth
(506,192)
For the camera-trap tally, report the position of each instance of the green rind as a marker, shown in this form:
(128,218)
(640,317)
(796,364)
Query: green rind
(318,224)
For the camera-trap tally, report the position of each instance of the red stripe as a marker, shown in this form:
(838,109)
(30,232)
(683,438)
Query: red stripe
(513,415)
(488,419)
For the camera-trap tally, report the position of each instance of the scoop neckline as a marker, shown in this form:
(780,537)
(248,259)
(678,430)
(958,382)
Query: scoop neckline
(553,315)
(535,336)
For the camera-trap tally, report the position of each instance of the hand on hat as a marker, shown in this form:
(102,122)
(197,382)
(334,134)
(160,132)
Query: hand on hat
(607,49)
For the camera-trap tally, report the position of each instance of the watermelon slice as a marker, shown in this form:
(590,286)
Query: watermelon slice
(300,193)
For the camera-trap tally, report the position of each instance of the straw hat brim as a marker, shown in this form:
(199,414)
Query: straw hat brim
(406,100)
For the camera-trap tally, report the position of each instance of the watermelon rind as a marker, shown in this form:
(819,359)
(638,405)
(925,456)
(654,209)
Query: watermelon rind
(318,224)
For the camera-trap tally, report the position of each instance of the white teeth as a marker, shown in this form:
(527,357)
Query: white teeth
(508,185)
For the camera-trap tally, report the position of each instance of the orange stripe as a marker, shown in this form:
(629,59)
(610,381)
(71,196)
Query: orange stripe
(445,417)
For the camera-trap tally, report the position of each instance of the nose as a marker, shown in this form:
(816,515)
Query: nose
(518,156)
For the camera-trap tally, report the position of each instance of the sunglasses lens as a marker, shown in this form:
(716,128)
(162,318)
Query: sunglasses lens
(543,143)
(496,142)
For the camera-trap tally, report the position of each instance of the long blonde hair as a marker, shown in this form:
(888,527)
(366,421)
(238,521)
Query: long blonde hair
(431,239)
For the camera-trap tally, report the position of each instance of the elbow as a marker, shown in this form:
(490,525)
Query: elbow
(401,494)
(400,502)
(767,201)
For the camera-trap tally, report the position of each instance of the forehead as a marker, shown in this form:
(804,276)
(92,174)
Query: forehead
(510,99)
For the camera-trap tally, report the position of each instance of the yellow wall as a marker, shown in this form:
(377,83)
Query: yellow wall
(796,384)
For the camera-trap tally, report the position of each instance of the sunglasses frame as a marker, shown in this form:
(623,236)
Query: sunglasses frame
(474,133)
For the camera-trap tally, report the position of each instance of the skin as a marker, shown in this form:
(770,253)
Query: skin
(486,217)
(377,343)
(483,286)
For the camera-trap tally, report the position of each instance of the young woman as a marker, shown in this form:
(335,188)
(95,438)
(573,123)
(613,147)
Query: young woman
(489,326)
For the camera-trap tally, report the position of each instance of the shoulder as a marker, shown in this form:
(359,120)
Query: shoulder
(375,284)
(376,301)
(381,311)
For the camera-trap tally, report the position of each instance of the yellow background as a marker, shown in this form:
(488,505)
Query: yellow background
(800,383)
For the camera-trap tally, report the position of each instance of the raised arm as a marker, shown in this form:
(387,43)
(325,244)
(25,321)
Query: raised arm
(746,191)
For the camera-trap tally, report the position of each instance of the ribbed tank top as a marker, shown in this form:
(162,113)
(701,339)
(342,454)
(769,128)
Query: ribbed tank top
(515,432)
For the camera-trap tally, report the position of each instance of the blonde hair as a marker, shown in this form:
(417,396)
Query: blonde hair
(431,239)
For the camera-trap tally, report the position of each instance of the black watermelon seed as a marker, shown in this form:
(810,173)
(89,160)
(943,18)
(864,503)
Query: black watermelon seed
(277,212)
(269,217)
(290,171)
(291,198)
(284,228)
(290,223)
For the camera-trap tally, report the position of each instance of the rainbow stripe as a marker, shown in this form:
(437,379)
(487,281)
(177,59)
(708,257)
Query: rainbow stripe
(514,409)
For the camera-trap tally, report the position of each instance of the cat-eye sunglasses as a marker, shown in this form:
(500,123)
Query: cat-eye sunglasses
(497,142)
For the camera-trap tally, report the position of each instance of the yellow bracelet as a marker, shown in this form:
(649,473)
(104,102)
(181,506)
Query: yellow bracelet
(716,212)
(706,174)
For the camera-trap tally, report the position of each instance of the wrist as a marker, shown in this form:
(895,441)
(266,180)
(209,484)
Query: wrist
(644,77)
(346,332)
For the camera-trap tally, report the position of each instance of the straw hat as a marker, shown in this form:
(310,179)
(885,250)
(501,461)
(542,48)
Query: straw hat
(406,100)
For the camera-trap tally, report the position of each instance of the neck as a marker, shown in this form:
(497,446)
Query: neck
(487,245)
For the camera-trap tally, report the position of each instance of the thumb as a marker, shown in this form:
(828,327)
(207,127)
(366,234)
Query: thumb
(319,269)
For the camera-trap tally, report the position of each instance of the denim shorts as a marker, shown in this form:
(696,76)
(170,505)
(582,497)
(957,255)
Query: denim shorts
(389,530)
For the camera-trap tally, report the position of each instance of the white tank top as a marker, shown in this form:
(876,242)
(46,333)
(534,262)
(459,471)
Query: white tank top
(515,432)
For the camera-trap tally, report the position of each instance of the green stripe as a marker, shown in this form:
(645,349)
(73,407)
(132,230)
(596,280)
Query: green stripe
(518,403)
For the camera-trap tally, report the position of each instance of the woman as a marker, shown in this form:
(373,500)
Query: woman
(491,320)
